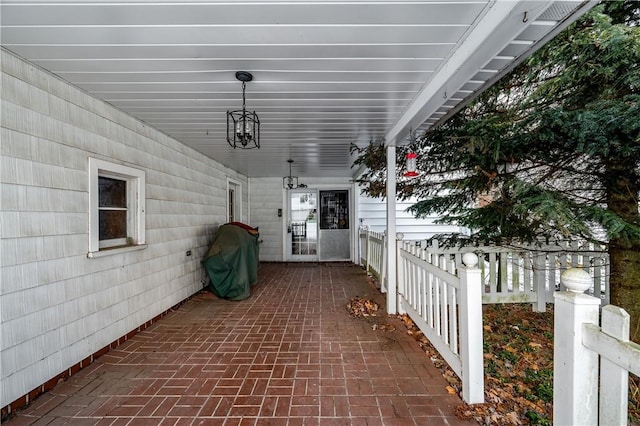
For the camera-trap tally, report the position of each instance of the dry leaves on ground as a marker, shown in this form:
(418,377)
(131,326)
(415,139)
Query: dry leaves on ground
(518,372)
(360,307)
(518,361)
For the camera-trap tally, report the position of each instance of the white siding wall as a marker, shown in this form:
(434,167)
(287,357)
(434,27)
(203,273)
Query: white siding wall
(58,306)
(267,196)
(373,213)
(266,199)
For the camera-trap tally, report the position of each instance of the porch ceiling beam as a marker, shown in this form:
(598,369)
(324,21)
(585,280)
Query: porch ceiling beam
(501,24)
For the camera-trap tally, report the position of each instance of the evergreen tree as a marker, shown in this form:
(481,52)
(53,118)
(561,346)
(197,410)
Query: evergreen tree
(552,151)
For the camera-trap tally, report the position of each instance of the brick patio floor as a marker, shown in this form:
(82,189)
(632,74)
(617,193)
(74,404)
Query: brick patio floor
(288,355)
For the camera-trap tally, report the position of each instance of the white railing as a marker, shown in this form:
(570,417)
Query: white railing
(447,308)
(443,292)
(584,394)
(509,274)
(373,256)
(363,233)
(531,274)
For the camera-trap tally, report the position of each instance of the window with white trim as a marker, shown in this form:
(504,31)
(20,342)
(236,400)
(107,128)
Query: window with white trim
(117,205)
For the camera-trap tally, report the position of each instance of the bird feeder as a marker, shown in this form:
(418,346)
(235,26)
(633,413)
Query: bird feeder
(411,165)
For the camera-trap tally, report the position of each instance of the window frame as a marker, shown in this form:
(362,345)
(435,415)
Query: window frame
(234,188)
(135,179)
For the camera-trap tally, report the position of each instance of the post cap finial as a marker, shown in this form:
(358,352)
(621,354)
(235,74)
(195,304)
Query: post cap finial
(470,260)
(576,280)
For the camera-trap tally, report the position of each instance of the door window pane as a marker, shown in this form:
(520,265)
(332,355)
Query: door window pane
(334,209)
(302,225)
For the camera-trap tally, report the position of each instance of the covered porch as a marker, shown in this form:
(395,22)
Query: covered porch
(138,93)
(289,355)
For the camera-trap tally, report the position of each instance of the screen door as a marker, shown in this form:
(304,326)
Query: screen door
(302,228)
(334,234)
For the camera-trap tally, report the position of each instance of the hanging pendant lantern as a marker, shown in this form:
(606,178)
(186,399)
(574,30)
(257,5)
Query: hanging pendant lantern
(290,182)
(243,127)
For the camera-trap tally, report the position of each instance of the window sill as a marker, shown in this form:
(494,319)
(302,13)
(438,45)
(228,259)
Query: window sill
(115,250)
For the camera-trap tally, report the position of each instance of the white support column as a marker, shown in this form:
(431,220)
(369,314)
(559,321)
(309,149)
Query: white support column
(392,248)
(471,349)
(575,368)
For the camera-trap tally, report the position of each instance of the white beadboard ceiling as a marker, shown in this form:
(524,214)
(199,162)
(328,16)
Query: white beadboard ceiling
(326,73)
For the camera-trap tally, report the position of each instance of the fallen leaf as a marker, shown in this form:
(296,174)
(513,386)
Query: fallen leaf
(359,307)
(513,418)
(450,390)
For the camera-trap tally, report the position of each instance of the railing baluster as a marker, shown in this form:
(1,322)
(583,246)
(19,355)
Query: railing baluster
(527,265)
(430,300)
(443,300)
(562,264)
(436,305)
(502,268)
(597,277)
(493,282)
(453,311)
(422,275)
(515,272)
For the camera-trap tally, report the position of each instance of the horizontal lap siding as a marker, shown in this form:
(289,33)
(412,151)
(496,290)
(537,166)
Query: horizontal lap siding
(373,213)
(266,199)
(57,306)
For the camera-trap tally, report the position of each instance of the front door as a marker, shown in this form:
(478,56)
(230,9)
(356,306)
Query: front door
(302,228)
(334,234)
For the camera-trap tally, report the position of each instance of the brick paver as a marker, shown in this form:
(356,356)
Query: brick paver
(288,355)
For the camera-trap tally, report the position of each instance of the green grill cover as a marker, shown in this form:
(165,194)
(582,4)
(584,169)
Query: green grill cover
(232,261)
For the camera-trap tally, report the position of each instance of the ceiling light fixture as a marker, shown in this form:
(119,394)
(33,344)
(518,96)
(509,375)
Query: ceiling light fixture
(243,127)
(291,182)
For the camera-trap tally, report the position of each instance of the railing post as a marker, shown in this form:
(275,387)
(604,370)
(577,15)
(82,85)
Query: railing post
(575,368)
(471,330)
(614,380)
